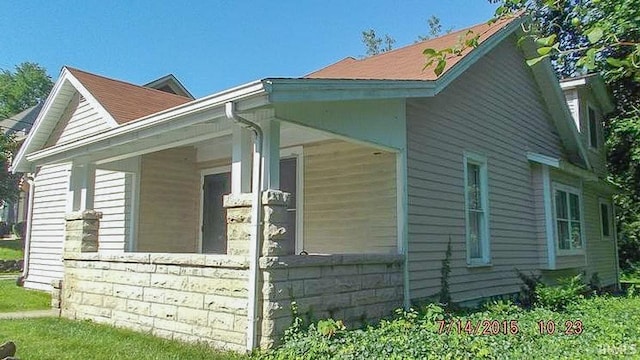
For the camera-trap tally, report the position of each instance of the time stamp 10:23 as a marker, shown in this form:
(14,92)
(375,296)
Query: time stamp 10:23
(506,327)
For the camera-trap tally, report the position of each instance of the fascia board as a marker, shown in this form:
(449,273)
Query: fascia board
(183,115)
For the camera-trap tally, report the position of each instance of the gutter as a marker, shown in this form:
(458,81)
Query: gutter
(27,233)
(256,204)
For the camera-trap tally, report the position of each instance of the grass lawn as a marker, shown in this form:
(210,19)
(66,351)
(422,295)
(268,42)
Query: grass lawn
(10,250)
(52,338)
(15,298)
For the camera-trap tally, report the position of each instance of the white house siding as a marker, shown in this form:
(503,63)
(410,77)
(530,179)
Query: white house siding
(47,231)
(169,201)
(79,120)
(494,109)
(349,199)
(537,183)
(597,157)
(112,197)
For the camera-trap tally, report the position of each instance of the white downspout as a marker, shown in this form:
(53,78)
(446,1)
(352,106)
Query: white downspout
(254,251)
(27,233)
(615,241)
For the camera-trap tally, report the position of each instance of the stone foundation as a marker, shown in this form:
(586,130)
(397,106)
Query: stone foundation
(193,298)
(354,288)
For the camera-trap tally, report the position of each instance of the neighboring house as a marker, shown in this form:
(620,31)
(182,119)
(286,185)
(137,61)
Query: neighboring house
(18,126)
(360,175)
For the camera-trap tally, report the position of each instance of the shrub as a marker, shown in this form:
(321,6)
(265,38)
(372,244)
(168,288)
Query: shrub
(530,283)
(557,298)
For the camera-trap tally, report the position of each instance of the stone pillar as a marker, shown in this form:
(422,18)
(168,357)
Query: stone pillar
(238,223)
(275,241)
(274,211)
(81,231)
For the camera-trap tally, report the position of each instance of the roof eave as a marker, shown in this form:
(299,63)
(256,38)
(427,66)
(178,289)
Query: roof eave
(197,111)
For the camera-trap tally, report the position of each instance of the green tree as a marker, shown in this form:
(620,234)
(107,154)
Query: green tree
(19,90)
(376,45)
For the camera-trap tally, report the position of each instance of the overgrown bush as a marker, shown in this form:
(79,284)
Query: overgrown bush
(568,291)
(594,328)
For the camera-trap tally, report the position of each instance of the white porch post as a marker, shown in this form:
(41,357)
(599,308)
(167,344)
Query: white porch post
(81,187)
(241,160)
(271,155)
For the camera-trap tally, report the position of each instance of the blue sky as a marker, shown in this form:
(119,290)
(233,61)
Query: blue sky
(212,45)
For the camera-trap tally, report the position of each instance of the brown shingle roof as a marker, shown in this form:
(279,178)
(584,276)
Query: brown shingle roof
(126,102)
(406,63)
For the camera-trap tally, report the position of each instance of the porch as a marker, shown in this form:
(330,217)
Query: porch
(329,237)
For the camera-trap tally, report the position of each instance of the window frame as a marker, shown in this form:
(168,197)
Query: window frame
(480,161)
(598,144)
(578,192)
(609,205)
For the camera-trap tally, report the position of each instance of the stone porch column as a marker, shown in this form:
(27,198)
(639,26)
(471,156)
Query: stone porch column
(274,211)
(81,231)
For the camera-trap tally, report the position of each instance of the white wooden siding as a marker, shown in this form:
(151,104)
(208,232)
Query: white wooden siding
(79,120)
(494,109)
(349,199)
(169,201)
(572,101)
(112,197)
(47,232)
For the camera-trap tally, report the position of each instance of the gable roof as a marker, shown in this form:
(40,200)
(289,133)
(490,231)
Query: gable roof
(126,102)
(20,124)
(169,83)
(118,102)
(407,63)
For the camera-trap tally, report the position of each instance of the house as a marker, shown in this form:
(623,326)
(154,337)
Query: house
(203,220)
(18,126)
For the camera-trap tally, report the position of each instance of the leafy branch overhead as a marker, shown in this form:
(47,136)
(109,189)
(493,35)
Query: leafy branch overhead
(584,35)
(439,57)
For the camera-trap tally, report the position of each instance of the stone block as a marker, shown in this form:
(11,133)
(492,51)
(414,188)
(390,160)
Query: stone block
(219,303)
(192,316)
(92,299)
(163,311)
(292,289)
(138,307)
(311,272)
(184,299)
(239,215)
(221,320)
(374,281)
(167,281)
(238,247)
(128,291)
(275,198)
(339,270)
(226,287)
(172,325)
(237,200)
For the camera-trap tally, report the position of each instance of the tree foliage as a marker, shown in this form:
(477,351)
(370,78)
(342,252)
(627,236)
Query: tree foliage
(376,45)
(23,88)
(601,36)
(27,85)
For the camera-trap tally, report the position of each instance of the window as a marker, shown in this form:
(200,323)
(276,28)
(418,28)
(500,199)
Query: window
(606,219)
(568,218)
(476,209)
(593,127)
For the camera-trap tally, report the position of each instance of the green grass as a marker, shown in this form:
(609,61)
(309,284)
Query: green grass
(15,298)
(59,339)
(11,250)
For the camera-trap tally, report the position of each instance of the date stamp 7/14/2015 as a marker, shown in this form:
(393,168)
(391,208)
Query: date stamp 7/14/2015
(506,327)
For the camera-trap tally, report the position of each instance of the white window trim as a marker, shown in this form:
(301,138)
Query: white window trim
(570,190)
(480,160)
(588,121)
(203,173)
(608,204)
(298,153)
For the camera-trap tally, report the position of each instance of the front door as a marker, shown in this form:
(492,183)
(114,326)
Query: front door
(214,219)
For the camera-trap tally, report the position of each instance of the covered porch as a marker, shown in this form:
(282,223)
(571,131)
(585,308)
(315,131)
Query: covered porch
(329,232)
